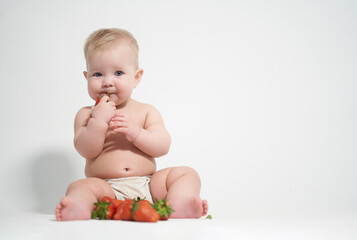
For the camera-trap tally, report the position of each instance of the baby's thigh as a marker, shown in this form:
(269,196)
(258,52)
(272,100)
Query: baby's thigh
(97,186)
(162,180)
(158,187)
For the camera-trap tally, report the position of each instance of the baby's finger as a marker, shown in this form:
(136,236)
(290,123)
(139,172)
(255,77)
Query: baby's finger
(120,129)
(119,118)
(101,100)
(120,115)
(106,98)
(118,124)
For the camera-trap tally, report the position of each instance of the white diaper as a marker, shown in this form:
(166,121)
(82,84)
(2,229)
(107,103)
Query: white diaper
(131,187)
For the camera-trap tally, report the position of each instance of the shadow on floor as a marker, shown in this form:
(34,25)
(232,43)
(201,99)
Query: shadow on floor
(51,173)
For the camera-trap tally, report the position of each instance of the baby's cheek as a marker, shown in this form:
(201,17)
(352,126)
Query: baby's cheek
(94,86)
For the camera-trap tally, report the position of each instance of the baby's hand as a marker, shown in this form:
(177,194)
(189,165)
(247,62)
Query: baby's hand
(123,124)
(104,110)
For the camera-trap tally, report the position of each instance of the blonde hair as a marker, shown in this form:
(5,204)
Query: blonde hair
(104,37)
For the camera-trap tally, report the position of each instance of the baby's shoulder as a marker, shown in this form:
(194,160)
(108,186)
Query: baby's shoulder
(84,112)
(143,106)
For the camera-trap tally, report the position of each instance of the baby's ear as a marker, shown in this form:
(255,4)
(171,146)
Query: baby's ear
(85,74)
(138,75)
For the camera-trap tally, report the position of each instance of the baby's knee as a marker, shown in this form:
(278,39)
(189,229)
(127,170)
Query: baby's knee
(188,171)
(76,184)
(81,183)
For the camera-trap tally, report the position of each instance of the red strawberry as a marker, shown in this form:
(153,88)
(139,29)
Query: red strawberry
(96,102)
(144,212)
(116,202)
(139,200)
(125,213)
(106,199)
(111,207)
(111,211)
(104,208)
(117,214)
(123,210)
(100,97)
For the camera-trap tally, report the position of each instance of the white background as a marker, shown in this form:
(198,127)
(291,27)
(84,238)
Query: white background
(259,97)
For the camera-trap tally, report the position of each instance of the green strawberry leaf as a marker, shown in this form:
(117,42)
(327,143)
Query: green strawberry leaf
(163,208)
(100,211)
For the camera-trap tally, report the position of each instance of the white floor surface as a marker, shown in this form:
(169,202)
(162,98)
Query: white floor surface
(41,226)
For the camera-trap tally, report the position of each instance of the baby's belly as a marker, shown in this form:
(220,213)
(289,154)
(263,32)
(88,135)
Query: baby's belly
(120,163)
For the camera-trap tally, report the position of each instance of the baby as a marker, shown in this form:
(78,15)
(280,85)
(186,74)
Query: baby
(120,138)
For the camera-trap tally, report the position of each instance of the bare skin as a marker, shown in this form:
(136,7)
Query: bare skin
(121,137)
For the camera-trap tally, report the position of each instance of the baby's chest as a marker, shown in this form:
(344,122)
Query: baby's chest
(135,116)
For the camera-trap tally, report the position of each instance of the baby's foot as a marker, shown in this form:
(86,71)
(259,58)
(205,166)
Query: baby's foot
(193,208)
(205,207)
(72,209)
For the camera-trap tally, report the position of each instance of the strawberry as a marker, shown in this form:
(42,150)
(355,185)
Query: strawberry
(111,211)
(139,200)
(163,208)
(111,207)
(144,212)
(106,199)
(137,209)
(116,202)
(117,214)
(123,210)
(98,99)
(104,208)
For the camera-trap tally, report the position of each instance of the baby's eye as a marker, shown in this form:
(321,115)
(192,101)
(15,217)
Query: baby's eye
(118,73)
(97,74)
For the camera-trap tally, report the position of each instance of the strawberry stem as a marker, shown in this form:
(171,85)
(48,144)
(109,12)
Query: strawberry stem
(100,211)
(163,208)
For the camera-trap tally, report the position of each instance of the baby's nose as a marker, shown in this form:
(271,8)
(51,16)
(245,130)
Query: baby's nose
(108,82)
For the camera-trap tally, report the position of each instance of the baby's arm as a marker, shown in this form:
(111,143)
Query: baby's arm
(153,139)
(91,126)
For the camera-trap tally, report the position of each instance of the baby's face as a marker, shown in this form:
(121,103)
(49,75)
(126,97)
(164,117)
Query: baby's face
(112,71)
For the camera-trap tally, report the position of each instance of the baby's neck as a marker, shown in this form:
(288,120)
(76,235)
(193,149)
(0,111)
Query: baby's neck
(124,104)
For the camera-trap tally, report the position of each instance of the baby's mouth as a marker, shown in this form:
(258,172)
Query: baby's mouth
(105,94)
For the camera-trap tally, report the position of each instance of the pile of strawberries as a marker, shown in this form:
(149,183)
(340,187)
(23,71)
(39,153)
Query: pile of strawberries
(131,210)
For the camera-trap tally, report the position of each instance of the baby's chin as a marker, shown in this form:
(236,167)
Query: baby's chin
(120,104)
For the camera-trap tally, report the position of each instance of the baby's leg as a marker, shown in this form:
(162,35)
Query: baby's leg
(79,199)
(181,187)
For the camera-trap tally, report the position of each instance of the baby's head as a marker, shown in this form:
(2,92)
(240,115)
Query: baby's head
(112,64)
(106,37)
